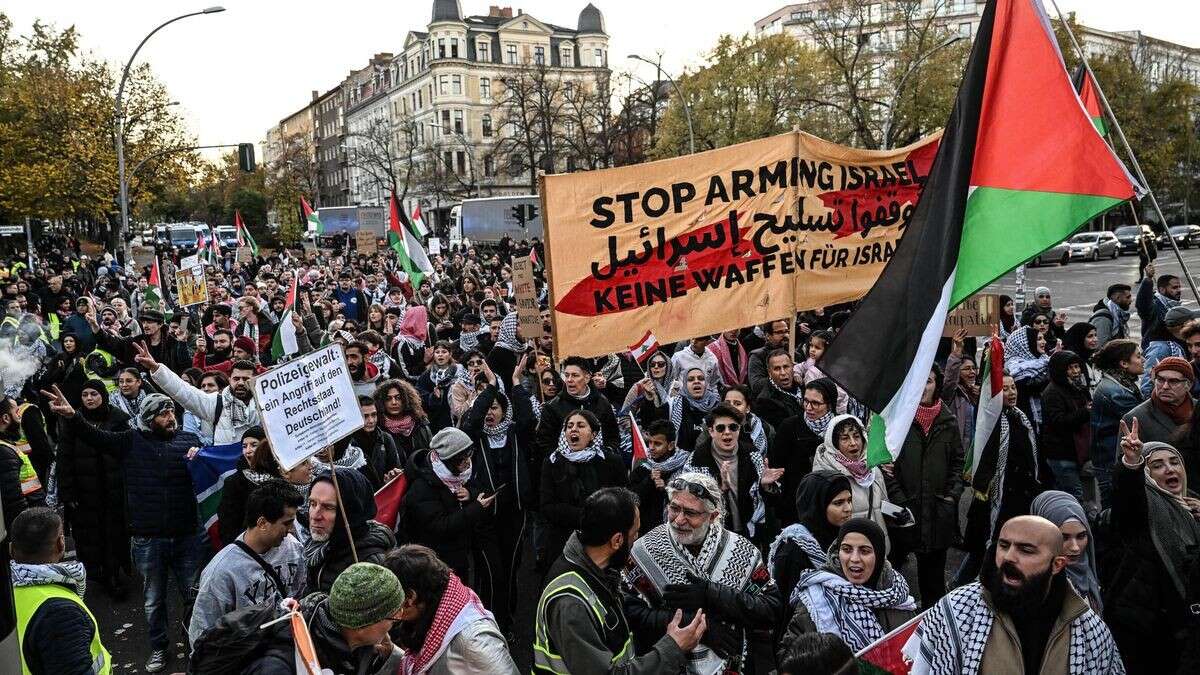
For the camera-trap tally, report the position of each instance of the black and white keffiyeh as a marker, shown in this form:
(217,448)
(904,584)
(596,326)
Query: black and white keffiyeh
(595,449)
(670,464)
(759,513)
(703,405)
(758,435)
(69,573)
(952,635)
(497,435)
(798,534)
(1002,461)
(839,607)
(819,425)
(508,334)
(449,372)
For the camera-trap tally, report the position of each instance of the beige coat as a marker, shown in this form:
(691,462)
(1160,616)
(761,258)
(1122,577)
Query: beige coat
(1002,651)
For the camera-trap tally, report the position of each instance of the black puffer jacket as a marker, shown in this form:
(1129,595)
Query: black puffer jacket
(434,516)
(792,449)
(91,485)
(1066,434)
(508,465)
(565,485)
(159,497)
(372,540)
(555,411)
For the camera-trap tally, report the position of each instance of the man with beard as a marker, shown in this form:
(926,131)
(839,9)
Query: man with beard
(579,623)
(222,351)
(1153,303)
(328,551)
(162,506)
(364,374)
(692,563)
(228,413)
(382,460)
(161,344)
(222,319)
(1022,611)
(1111,315)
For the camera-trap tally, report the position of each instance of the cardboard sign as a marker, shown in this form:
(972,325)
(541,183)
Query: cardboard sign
(979,315)
(435,246)
(722,239)
(366,242)
(243,255)
(307,404)
(190,286)
(529,318)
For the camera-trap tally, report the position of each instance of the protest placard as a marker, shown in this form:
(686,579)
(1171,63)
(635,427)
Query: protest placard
(307,404)
(529,317)
(366,242)
(191,288)
(979,315)
(722,239)
(188,261)
(435,246)
(243,255)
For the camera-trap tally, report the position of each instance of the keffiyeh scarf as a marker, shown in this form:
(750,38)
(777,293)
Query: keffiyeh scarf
(508,334)
(798,534)
(440,374)
(595,449)
(468,341)
(952,635)
(819,425)
(839,607)
(352,458)
(450,479)
(670,464)
(458,608)
(70,573)
(130,407)
(1002,461)
(758,435)
(704,405)
(497,435)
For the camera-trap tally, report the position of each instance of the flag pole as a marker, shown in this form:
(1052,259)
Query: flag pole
(337,491)
(1137,167)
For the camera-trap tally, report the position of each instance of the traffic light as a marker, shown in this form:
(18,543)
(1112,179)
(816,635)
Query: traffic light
(246,157)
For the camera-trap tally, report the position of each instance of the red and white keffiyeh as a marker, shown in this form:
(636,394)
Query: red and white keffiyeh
(459,608)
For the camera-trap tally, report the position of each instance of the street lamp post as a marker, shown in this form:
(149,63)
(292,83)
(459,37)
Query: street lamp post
(119,117)
(687,109)
(887,129)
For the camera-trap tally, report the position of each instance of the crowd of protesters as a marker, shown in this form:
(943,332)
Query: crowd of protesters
(754,537)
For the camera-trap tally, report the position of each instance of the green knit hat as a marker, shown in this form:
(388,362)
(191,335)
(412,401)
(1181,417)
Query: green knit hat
(364,594)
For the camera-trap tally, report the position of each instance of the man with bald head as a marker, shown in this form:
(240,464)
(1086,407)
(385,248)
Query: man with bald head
(1022,616)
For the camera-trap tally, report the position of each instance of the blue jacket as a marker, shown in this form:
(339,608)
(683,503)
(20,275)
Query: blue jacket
(158,487)
(77,324)
(1110,402)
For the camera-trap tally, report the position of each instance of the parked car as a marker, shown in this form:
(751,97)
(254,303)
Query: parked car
(1134,237)
(1185,236)
(1095,245)
(1059,253)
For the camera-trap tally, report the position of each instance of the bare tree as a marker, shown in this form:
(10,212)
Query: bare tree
(530,110)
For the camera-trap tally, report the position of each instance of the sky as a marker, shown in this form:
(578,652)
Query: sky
(239,72)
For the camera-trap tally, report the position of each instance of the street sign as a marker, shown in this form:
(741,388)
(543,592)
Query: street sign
(12,229)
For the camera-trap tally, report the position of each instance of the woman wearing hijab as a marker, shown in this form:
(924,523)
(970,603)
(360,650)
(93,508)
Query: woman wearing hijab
(1066,434)
(796,442)
(91,487)
(1120,362)
(1082,339)
(648,399)
(1008,316)
(1149,582)
(1079,547)
(845,451)
(689,407)
(465,386)
(855,594)
(1025,357)
(577,467)
(412,336)
(825,503)
(402,416)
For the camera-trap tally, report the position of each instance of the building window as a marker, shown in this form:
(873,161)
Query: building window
(539,55)
(458,121)
(599,54)
(964,29)
(462,161)
(512,54)
(567,57)
(456,84)
(487,126)
(448,161)
(485,88)
(489,165)
(483,52)
(446,122)
(454,48)
(441,48)
(443,84)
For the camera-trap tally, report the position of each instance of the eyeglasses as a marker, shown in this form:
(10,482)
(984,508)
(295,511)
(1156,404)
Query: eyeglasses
(695,489)
(732,427)
(1169,381)
(809,403)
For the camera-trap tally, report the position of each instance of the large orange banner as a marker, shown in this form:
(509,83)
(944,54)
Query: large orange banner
(722,239)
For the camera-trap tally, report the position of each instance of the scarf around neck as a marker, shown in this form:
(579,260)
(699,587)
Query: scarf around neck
(1178,412)
(497,435)
(839,607)
(799,535)
(402,425)
(857,468)
(458,608)
(69,573)
(819,425)
(703,405)
(926,414)
(450,479)
(731,372)
(670,464)
(595,449)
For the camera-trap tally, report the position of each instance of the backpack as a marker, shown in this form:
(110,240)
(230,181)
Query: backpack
(234,641)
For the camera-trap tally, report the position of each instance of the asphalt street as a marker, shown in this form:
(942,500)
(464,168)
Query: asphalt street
(1077,286)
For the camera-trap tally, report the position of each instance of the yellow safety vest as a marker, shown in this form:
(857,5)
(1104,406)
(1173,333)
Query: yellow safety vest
(27,600)
(109,383)
(29,478)
(545,658)
(55,325)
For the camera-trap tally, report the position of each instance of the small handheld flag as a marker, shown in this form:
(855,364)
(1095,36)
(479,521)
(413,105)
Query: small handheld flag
(243,234)
(284,342)
(418,222)
(311,217)
(388,499)
(643,348)
(640,451)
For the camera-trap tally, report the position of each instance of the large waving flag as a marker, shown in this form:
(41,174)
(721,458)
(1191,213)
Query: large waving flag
(311,217)
(284,343)
(410,252)
(991,404)
(154,292)
(243,234)
(209,468)
(1089,96)
(1020,167)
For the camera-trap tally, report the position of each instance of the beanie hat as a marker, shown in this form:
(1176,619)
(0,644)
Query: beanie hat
(254,432)
(151,406)
(246,344)
(151,315)
(874,534)
(1177,364)
(1177,316)
(363,594)
(449,442)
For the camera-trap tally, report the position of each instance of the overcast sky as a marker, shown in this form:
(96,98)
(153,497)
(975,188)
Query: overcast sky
(239,72)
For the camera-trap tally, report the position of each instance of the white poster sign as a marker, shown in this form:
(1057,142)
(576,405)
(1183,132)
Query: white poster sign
(189,261)
(435,246)
(307,404)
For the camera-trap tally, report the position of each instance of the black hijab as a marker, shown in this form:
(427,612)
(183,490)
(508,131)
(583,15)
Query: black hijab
(100,413)
(874,534)
(813,496)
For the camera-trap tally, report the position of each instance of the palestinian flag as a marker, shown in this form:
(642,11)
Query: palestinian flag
(885,656)
(214,249)
(283,343)
(388,499)
(410,252)
(155,299)
(418,223)
(991,404)
(1020,167)
(310,217)
(243,234)
(533,258)
(209,468)
(1089,96)
(640,452)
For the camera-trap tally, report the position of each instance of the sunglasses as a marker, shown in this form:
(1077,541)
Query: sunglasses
(732,427)
(695,489)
